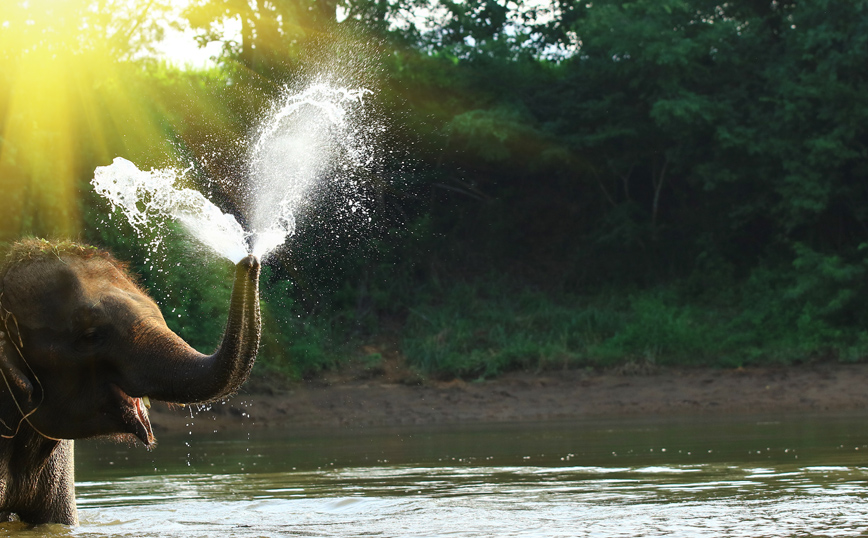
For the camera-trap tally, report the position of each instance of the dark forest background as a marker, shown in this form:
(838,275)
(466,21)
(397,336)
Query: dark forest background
(568,184)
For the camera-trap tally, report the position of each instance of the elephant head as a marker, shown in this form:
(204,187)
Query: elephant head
(84,347)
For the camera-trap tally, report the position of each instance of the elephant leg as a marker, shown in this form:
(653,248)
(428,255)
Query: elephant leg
(53,498)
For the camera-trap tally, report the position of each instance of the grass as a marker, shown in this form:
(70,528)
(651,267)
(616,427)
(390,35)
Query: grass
(484,327)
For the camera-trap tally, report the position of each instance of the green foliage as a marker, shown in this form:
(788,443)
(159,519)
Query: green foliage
(702,163)
(829,287)
(293,345)
(659,330)
(493,134)
(484,328)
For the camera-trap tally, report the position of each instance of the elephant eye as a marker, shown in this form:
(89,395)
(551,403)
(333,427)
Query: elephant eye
(90,336)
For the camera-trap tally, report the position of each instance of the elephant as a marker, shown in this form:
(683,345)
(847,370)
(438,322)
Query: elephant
(83,350)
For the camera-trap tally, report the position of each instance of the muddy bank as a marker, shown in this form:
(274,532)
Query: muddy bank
(382,401)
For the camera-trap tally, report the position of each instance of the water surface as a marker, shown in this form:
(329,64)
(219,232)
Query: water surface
(751,477)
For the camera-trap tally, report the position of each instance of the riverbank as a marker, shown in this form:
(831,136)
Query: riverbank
(347,401)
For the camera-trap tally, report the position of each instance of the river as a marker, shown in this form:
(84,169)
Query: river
(781,476)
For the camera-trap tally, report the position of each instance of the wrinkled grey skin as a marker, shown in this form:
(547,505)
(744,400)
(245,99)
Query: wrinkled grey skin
(81,345)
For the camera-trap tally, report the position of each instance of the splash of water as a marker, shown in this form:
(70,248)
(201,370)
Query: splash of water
(308,137)
(308,144)
(145,197)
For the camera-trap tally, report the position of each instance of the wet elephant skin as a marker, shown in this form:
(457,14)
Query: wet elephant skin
(82,351)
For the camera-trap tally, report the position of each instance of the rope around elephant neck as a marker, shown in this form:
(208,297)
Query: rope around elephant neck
(5,316)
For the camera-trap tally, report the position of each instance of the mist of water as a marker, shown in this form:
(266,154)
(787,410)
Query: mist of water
(309,138)
(308,144)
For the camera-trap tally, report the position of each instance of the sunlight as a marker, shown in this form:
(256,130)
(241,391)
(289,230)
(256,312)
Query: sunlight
(179,48)
(71,98)
(37,138)
(39,56)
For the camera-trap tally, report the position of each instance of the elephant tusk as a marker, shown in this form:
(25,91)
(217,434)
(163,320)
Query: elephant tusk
(146,401)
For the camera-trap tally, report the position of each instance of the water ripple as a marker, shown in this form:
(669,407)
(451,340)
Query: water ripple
(717,500)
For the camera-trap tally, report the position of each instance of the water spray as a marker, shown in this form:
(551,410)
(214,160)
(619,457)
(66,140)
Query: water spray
(309,143)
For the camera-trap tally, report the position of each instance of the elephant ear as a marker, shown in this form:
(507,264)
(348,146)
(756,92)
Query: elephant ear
(16,389)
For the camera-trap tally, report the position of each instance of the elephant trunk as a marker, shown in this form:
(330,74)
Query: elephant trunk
(175,372)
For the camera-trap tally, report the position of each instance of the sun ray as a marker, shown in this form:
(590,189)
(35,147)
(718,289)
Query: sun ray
(70,100)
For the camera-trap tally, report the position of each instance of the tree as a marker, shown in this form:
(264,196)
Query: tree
(271,30)
(730,125)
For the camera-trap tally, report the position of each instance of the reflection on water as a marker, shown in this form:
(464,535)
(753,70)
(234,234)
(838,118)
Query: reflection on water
(794,476)
(701,500)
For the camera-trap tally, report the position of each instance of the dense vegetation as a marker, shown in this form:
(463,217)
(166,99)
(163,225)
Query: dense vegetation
(639,182)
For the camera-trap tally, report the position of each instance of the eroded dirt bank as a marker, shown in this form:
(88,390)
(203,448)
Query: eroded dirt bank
(382,401)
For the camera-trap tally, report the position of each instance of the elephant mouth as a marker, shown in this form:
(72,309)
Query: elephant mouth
(134,414)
